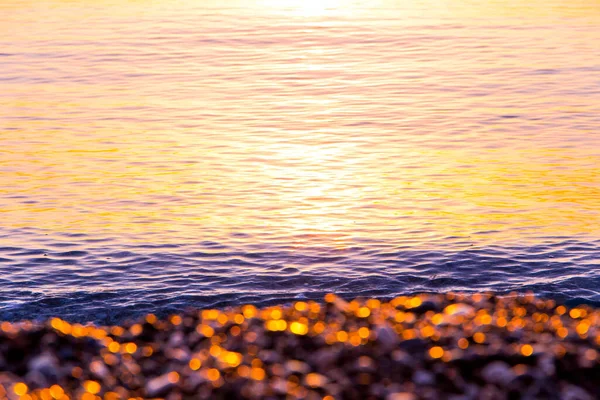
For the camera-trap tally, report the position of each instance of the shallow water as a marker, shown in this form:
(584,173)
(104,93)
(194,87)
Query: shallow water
(157,154)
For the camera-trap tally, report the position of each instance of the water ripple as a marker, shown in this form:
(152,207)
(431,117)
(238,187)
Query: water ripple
(69,282)
(285,149)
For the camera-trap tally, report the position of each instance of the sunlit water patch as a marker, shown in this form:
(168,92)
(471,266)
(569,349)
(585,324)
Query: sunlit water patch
(161,154)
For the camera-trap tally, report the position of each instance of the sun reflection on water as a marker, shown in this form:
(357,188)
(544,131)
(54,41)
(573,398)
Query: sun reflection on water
(307,8)
(326,120)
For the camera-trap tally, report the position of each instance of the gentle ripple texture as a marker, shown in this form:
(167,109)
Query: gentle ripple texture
(162,154)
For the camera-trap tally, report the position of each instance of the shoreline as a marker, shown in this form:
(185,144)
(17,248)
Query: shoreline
(426,346)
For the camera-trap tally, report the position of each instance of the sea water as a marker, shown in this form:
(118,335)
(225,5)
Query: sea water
(160,154)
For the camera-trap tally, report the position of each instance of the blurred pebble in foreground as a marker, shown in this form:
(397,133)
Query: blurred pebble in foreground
(452,346)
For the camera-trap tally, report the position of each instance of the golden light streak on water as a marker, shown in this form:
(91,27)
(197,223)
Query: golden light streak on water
(309,122)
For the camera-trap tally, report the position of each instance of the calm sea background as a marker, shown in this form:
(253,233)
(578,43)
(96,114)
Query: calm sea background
(161,154)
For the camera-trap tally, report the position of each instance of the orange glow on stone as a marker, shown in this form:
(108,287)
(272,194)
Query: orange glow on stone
(427,331)
(243,371)
(562,332)
(56,391)
(233,359)
(173,377)
(315,380)
(479,337)
(575,313)
(130,348)
(258,374)
(400,316)
(116,330)
(210,314)
(92,387)
(151,318)
(526,350)
(147,351)
(114,347)
(319,327)
(355,340)
(409,334)
(298,328)
(195,364)
(436,352)
(300,306)
(20,388)
(213,374)
(363,312)
(437,319)
(136,329)
(238,319)
(583,327)
(205,330)
(364,332)
(249,311)
(342,336)
(414,302)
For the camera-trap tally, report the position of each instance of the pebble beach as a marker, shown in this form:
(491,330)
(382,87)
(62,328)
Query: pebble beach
(427,346)
(291,199)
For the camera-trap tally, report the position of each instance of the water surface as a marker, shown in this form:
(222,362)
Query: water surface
(161,154)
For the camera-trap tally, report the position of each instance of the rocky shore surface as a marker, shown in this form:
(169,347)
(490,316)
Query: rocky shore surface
(451,346)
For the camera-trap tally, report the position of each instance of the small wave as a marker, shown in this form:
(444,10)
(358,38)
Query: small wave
(105,283)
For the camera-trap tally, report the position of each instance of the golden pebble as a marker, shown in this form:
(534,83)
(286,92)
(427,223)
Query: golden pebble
(56,391)
(300,306)
(363,312)
(151,318)
(238,319)
(20,388)
(147,351)
(373,303)
(249,311)
(414,302)
(364,332)
(258,374)
(131,348)
(243,371)
(479,337)
(136,329)
(92,387)
(115,330)
(436,352)
(342,336)
(298,328)
(319,327)
(114,347)
(330,298)
(437,319)
(409,334)
(526,350)
(562,332)
(173,377)
(88,396)
(195,364)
